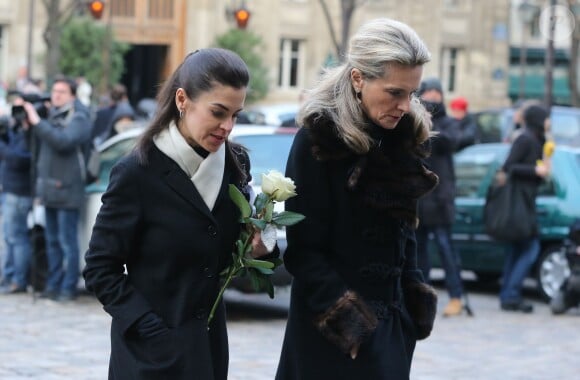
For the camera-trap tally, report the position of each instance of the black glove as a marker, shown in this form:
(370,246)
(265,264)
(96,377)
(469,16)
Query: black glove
(150,325)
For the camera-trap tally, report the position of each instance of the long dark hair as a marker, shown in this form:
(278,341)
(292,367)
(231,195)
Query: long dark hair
(199,72)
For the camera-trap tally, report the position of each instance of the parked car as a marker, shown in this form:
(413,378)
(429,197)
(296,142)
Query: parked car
(558,204)
(496,125)
(267,148)
(279,115)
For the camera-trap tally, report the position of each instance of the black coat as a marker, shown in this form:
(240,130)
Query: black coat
(438,207)
(155,223)
(352,259)
(520,165)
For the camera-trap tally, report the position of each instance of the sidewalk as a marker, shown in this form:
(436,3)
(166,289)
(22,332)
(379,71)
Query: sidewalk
(47,340)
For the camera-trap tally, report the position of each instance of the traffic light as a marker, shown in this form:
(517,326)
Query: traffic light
(242,16)
(96,8)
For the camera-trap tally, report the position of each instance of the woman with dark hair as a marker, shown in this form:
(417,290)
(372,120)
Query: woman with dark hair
(359,303)
(524,165)
(167,227)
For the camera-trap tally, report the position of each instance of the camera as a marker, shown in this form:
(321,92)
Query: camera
(37,100)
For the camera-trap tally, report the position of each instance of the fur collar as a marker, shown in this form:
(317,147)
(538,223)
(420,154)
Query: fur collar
(391,177)
(327,143)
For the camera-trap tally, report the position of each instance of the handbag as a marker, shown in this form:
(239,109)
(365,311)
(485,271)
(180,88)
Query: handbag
(509,213)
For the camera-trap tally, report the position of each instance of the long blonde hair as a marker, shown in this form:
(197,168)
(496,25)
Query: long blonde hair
(376,45)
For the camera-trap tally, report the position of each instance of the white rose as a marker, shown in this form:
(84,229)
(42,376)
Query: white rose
(278,187)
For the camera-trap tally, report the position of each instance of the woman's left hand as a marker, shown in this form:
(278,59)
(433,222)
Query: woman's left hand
(258,247)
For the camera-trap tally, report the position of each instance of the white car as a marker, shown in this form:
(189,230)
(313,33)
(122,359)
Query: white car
(279,115)
(267,148)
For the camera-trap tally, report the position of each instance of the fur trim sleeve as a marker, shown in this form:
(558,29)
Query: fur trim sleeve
(421,302)
(348,322)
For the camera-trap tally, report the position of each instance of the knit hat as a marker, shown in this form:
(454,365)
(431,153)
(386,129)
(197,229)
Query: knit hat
(459,103)
(430,84)
(535,116)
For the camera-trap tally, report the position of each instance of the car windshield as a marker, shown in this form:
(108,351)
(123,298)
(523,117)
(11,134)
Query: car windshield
(566,128)
(472,165)
(267,152)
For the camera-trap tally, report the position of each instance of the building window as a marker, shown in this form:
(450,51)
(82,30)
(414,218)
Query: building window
(449,68)
(290,70)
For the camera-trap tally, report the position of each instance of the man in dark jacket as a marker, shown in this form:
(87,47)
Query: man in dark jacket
(60,183)
(437,209)
(469,134)
(106,117)
(15,178)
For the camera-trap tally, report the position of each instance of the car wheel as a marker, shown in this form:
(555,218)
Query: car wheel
(552,270)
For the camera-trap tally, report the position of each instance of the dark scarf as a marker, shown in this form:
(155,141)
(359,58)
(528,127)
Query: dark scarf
(390,177)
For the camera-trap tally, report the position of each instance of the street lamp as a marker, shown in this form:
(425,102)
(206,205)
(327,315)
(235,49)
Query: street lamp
(527,12)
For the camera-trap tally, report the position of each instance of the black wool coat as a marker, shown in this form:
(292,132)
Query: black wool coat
(154,222)
(353,258)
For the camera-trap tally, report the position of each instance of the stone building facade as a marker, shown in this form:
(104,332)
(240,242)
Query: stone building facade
(469,39)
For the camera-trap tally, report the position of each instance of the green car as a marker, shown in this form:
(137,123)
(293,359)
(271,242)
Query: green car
(558,205)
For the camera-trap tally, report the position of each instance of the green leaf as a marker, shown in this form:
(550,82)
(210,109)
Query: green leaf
(260,201)
(259,223)
(253,263)
(276,261)
(265,271)
(269,212)
(261,282)
(255,280)
(240,201)
(240,249)
(270,289)
(287,218)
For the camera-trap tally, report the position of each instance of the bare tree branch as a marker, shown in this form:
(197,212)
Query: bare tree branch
(330,26)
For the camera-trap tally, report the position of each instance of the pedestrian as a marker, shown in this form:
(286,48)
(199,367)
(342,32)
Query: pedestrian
(16,183)
(468,132)
(358,301)
(437,209)
(524,164)
(518,119)
(60,184)
(109,115)
(167,220)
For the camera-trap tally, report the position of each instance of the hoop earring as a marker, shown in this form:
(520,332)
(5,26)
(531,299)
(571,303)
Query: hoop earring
(180,114)
(358,97)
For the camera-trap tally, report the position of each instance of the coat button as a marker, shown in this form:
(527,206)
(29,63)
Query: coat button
(200,314)
(211,230)
(207,272)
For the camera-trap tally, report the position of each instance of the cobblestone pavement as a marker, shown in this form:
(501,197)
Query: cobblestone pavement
(53,341)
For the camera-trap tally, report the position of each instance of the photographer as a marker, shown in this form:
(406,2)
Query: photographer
(60,182)
(15,178)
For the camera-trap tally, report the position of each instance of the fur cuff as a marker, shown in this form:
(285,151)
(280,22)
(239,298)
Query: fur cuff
(348,322)
(421,302)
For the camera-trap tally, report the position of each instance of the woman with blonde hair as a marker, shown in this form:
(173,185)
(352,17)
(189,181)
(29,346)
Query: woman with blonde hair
(359,303)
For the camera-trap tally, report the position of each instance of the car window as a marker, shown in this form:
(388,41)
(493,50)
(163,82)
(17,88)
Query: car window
(565,128)
(471,168)
(112,154)
(267,152)
(490,126)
